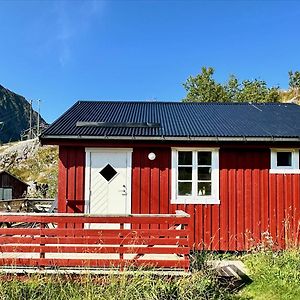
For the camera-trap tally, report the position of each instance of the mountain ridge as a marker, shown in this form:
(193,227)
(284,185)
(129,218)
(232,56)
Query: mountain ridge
(15,115)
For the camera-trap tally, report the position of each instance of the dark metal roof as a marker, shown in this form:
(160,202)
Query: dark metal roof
(177,120)
(2,172)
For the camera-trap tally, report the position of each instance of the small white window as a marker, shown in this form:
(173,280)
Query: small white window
(195,176)
(5,193)
(285,161)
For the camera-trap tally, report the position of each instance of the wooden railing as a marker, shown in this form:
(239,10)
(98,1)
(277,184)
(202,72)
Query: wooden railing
(81,240)
(27,204)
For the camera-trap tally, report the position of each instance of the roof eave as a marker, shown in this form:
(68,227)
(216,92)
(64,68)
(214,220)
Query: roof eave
(176,138)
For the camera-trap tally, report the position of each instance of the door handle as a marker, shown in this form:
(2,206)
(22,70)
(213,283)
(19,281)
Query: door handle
(124,190)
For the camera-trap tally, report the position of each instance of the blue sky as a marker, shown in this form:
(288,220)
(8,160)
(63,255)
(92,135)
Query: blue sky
(63,51)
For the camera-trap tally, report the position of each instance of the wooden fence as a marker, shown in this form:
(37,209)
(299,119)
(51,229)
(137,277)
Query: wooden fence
(81,240)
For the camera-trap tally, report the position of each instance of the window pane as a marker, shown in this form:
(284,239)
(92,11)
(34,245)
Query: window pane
(204,188)
(184,173)
(185,158)
(108,172)
(184,188)
(7,193)
(204,158)
(204,173)
(284,159)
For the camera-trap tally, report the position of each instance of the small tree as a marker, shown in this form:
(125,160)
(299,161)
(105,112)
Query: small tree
(294,82)
(203,88)
(233,89)
(257,91)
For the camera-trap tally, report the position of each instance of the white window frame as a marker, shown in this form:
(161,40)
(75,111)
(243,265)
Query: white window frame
(215,178)
(293,169)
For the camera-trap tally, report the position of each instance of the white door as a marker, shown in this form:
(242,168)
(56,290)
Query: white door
(108,181)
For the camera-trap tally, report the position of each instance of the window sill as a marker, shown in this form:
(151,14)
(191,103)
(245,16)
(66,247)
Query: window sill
(284,171)
(195,201)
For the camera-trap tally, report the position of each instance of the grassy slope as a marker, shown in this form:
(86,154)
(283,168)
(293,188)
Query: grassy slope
(42,168)
(40,165)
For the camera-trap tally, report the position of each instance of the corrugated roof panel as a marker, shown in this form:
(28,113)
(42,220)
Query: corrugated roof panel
(179,119)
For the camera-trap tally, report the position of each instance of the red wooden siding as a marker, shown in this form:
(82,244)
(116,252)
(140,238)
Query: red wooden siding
(71,179)
(151,181)
(242,196)
(255,205)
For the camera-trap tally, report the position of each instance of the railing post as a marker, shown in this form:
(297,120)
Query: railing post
(121,248)
(189,237)
(42,253)
(189,240)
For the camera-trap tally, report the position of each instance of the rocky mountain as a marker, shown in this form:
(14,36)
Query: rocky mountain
(31,163)
(14,115)
(290,96)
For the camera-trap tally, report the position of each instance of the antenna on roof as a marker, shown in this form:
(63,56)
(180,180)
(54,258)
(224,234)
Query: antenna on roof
(38,118)
(30,121)
(34,129)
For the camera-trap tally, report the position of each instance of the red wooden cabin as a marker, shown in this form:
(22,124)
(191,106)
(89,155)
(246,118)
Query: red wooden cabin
(233,167)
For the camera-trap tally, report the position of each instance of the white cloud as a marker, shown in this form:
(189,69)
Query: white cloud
(74,18)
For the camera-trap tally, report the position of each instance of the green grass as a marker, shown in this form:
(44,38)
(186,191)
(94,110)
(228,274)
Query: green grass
(139,286)
(275,275)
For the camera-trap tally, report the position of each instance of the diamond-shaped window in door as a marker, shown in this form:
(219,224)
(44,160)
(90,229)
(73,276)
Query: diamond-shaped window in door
(108,172)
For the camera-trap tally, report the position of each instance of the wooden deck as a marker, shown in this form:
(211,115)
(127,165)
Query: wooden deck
(96,241)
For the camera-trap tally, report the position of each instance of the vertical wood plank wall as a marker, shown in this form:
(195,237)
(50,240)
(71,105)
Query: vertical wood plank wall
(71,169)
(255,205)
